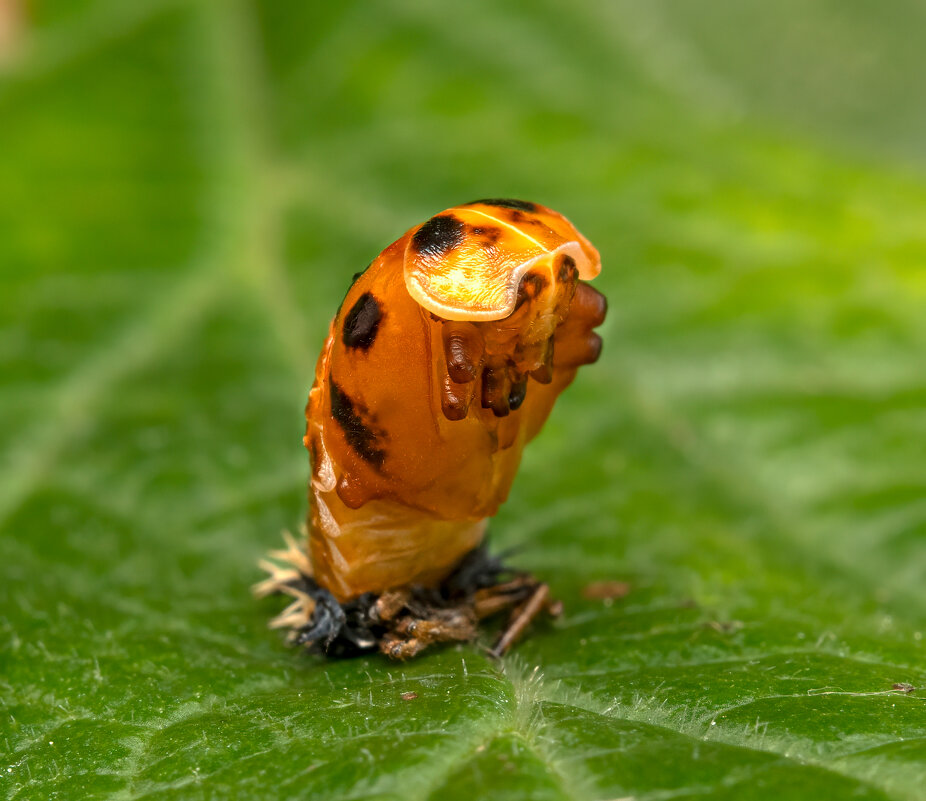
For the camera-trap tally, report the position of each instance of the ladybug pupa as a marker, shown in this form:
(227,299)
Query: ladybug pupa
(443,361)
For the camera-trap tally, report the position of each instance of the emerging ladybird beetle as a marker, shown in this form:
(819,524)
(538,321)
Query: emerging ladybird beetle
(443,361)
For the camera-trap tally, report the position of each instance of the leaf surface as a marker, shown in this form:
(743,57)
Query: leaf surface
(188,188)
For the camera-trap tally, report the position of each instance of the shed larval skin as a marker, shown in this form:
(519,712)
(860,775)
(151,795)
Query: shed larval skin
(443,361)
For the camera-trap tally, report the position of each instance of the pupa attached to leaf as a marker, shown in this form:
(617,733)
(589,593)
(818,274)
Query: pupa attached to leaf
(443,361)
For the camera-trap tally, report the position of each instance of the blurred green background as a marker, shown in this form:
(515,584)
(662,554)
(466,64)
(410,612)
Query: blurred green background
(186,189)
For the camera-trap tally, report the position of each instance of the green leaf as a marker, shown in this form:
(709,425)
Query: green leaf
(187,188)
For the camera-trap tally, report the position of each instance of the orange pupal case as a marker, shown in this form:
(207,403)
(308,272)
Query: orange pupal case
(444,359)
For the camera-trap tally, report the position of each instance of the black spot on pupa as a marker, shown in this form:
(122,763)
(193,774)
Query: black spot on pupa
(438,236)
(532,284)
(487,235)
(362,322)
(535,283)
(507,203)
(358,434)
(567,269)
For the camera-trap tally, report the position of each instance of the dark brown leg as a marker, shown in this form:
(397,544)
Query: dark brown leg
(390,603)
(491,600)
(521,618)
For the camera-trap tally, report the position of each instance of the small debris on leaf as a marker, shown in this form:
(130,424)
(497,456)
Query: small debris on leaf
(605,590)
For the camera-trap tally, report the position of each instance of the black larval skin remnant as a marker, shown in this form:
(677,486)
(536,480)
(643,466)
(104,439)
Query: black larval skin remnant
(358,434)
(362,322)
